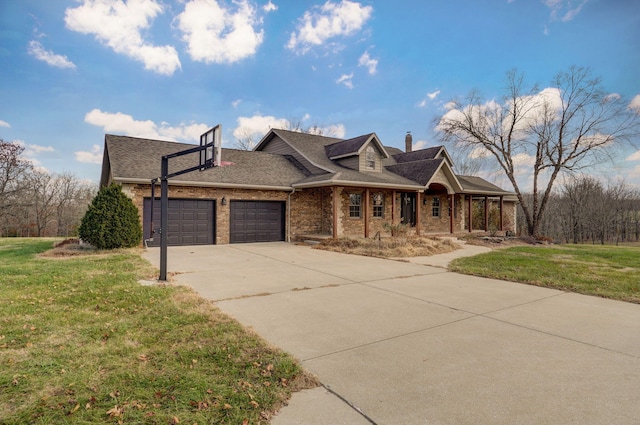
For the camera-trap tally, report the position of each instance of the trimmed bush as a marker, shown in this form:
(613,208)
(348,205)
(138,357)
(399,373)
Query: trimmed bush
(112,221)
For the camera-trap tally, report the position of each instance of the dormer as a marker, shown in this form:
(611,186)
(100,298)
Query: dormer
(363,153)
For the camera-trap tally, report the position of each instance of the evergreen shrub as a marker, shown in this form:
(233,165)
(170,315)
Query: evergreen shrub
(112,221)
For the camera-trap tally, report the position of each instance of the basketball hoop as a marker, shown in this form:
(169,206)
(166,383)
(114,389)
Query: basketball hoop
(211,147)
(209,151)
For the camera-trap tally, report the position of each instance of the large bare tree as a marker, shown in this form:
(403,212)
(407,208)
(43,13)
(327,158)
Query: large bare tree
(12,170)
(560,129)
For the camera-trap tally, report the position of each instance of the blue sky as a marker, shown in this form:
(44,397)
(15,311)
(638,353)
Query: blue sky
(71,71)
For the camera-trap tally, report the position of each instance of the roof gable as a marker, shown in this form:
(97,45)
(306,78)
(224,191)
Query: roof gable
(355,146)
(305,147)
(424,171)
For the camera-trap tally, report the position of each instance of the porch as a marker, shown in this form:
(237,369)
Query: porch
(339,211)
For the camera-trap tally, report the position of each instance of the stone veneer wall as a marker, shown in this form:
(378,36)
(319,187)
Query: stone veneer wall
(429,223)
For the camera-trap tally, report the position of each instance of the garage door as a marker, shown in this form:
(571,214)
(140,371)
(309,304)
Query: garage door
(257,221)
(191,221)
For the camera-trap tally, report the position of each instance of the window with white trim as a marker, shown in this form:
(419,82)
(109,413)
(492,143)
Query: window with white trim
(378,204)
(370,158)
(355,205)
(435,207)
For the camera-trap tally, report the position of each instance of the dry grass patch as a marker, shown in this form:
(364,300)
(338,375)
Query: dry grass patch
(395,247)
(82,342)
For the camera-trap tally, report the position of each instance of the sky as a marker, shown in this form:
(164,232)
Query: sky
(73,70)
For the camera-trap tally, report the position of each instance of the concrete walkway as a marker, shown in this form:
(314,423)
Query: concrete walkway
(403,343)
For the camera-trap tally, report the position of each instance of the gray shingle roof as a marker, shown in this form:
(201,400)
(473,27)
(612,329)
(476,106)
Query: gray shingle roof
(418,171)
(132,159)
(419,155)
(473,184)
(346,147)
(136,159)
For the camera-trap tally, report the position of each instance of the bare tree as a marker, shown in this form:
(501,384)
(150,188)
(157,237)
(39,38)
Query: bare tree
(12,171)
(560,129)
(74,197)
(247,139)
(43,192)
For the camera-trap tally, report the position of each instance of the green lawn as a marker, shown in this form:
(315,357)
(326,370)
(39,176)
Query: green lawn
(82,342)
(606,271)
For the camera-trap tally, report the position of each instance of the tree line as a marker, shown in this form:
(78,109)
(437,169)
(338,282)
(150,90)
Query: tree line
(37,203)
(584,210)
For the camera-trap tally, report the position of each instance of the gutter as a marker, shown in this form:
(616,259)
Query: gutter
(206,184)
(357,184)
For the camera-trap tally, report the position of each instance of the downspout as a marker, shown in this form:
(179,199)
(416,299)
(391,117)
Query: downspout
(289,214)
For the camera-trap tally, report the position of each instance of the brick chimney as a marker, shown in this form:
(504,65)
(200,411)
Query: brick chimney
(408,142)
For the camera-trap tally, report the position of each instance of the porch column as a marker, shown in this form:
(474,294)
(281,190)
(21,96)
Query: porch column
(470,217)
(418,204)
(366,212)
(452,209)
(335,211)
(501,216)
(393,208)
(486,213)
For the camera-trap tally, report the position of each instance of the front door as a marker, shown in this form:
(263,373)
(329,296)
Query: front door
(408,208)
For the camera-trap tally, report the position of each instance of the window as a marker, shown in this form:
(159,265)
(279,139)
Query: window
(370,158)
(378,205)
(355,202)
(435,207)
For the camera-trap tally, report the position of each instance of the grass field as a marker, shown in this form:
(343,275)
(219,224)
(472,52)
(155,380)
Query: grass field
(82,342)
(606,271)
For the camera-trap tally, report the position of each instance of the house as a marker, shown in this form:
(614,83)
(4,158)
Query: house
(294,185)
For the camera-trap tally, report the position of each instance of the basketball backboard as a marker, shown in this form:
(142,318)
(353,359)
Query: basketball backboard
(211,140)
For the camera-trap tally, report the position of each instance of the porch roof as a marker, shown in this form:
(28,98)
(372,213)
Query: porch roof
(478,186)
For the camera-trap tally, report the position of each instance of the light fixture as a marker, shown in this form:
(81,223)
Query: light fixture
(224,201)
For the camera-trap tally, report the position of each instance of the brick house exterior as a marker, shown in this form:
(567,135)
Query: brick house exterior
(293,185)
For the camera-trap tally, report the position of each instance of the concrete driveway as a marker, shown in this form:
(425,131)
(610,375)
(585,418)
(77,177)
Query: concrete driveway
(403,343)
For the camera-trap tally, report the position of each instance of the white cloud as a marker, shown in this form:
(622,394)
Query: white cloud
(346,79)
(4,124)
(118,25)
(429,96)
(330,20)
(217,35)
(366,61)
(257,125)
(479,153)
(125,124)
(634,156)
(419,144)
(562,10)
(269,7)
(635,104)
(31,150)
(236,103)
(59,61)
(547,101)
(94,156)
(337,130)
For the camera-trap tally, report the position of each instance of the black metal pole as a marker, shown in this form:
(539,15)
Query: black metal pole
(164,216)
(153,196)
